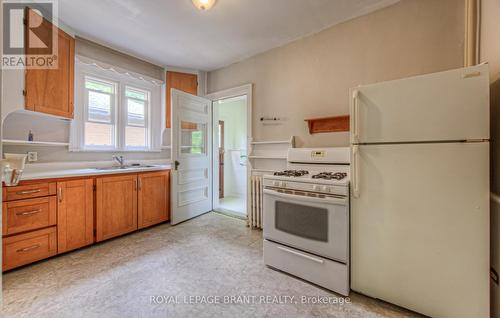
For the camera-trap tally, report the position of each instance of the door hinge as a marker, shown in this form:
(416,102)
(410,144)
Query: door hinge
(95,232)
(94,188)
(494,275)
(24,92)
(25,22)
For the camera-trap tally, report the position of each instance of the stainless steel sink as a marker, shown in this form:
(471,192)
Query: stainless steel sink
(125,167)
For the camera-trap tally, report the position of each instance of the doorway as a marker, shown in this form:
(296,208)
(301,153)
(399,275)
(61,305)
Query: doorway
(232,144)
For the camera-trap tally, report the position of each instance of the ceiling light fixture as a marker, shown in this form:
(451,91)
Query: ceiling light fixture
(204,4)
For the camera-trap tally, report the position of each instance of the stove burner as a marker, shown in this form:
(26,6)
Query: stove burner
(330,175)
(292,173)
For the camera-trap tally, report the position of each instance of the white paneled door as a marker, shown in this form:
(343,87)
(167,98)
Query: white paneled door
(191,156)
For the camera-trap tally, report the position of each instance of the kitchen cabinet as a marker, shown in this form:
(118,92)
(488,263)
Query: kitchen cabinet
(153,198)
(27,191)
(184,82)
(51,90)
(30,214)
(75,212)
(116,206)
(29,247)
(42,218)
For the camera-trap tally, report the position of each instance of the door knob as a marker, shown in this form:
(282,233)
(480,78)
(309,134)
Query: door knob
(177,163)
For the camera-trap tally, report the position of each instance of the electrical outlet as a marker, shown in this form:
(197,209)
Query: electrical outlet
(32,156)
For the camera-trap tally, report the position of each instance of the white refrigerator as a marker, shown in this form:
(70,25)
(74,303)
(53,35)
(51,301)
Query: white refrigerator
(420,192)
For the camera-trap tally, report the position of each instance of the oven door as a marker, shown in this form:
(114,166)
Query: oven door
(316,225)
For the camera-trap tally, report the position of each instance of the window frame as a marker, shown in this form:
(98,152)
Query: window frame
(154,112)
(114,112)
(124,117)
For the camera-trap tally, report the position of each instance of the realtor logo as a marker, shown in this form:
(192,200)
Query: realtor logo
(29,35)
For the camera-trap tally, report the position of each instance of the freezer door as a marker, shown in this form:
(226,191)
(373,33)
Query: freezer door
(420,227)
(451,105)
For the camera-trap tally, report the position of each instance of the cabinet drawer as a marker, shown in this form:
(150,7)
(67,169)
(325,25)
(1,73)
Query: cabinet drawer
(29,191)
(29,247)
(26,215)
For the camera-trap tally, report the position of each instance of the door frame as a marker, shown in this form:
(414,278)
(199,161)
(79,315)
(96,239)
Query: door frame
(247,90)
(221,174)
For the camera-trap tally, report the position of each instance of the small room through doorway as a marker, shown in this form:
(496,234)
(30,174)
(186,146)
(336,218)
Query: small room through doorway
(231,116)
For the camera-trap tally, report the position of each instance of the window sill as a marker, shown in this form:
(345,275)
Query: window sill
(117,150)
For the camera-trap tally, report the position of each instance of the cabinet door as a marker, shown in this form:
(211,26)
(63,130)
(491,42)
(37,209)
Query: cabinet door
(51,90)
(182,81)
(116,206)
(154,193)
(75,214)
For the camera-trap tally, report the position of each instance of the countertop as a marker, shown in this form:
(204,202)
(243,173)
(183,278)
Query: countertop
(66,173)
(82,169)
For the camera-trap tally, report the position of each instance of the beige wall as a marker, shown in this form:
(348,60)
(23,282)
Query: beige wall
(311,77)
(490,52)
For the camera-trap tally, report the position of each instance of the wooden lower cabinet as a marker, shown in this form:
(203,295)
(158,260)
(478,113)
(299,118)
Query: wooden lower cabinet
(43,218)
(153,198)
(116,206)
(75,214)
(27,215)
(30,247)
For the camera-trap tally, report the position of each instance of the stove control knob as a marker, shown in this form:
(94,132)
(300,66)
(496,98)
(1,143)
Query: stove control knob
(316,188)
(283,184)
(276,183)
(326,189)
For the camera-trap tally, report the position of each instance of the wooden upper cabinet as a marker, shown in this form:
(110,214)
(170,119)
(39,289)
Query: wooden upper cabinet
(51,90)
(182,81)
(116,206)
(154,193)
(75,214)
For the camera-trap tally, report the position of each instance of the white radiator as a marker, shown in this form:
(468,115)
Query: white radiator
(256,201)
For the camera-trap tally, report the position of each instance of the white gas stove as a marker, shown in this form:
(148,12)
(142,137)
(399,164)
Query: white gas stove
(306,217)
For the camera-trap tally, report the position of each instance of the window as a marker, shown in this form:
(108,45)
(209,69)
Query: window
(193,138)
(116,121)
(136,132)
(116,110)
(100,129)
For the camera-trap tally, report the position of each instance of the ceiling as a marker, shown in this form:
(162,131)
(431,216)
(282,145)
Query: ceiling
(175,33)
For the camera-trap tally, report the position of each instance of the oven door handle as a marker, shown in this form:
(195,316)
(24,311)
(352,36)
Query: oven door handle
(306,198)
(314,259)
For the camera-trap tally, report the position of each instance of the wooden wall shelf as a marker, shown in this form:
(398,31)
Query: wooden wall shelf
(328,124)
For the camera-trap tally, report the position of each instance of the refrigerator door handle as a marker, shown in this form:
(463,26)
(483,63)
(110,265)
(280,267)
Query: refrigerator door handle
(354,113)
(355,170)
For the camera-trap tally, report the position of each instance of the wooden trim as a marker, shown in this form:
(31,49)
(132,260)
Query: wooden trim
(471,43)
(328,124)
(71,75)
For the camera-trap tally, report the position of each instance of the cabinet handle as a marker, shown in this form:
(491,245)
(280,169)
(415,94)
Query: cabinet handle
(140,184)
(27,249)
(28,192)
(60,194)
(29,212)
(355,117)
(135,184)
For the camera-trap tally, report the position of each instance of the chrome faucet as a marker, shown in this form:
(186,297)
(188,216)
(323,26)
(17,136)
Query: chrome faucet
(120,160)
